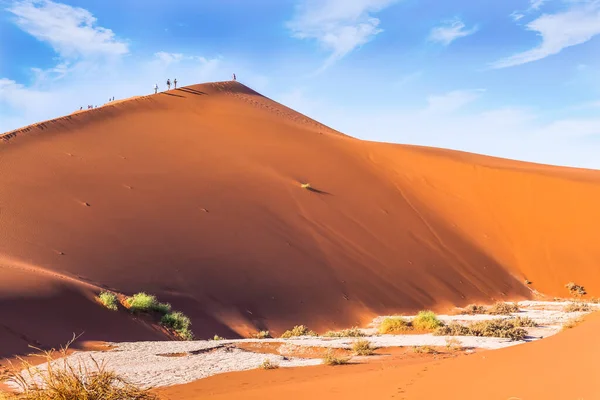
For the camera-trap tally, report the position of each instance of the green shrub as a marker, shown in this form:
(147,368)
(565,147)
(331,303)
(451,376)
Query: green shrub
(217,337)
(575,307)
(502,308)
(394,325)
(142,302)
(298,330)
(108,300)
(262,335)
(426,321)
(352,332)
(178,322)
(331,359)
(362,347)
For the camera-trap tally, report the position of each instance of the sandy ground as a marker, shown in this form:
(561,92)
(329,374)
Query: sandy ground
(156,364)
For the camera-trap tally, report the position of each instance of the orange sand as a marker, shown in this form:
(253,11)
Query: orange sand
(194,195)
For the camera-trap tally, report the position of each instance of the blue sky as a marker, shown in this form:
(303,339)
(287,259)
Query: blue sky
(513,78)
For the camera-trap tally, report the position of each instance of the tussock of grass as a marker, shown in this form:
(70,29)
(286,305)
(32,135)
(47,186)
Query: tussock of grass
(501,308)
(572,323)
(178,322)
(262,335)
(352,332)
(394,325)
(64,380)
(453,344)
(473,309)
(142,302)
(575,307)
(268,364)
(362,347)
(452,329)
(108,300)
(506,328)
(331,359)
(524,322)
(426,321)
(424,350)
(306,186)
(298,330)
(217,337)
(575,289)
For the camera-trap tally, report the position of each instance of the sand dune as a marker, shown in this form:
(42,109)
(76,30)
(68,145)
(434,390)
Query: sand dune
(194,195)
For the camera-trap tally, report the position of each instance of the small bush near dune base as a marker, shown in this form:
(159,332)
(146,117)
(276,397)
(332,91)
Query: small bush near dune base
(503,309)
(510,328)
(572,323)
(217,337)
(306,186)
(331,359)
(523,322)
(362,347)
(575,289)
(452,329)
(262,335)
(424,350)
(108,300)
(352,332)
(473,309)
(426,321)
(66,380)
(394,325)
(179,323)
(575,307)
(453,344)
(142,302)
(268,364)
(298,330)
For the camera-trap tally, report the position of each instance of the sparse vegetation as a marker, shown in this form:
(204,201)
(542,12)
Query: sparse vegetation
(424,350)
(576,307)
(453,344)
(572,323)
(452,329)
(262,335)
(473,309)
(510,328)
(142,302)
(108,300)
(527,282)
(524,322)
(217,337)
(502,308)
(426,321)
(575,289)
(268,364)
(362,347)
(178,322)
(306,186)
(394,325)
(352,332)
(331,359)
(298,330)
(64,380)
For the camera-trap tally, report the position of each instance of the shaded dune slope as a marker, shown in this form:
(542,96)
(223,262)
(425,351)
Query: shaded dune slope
(194,195)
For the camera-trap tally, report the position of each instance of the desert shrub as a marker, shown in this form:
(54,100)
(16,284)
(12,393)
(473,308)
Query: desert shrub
(178,322)
(572,323)
(262,335)
(452,329)
(352,332)
(306,186)
(424,350)
(142,302)
(268,364)
(453,344)
(575,307)
(502,308)
(66,380)
(108,300)
(575,289)
(473,309)
(331,359)
(426,321)
(394,325)
(298,330)
(497,328)
(217,337)
(523,322)
(362,347)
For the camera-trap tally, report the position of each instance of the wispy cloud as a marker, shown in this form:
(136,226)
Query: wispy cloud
(536,4)
(451,101)
(572,27)
(71,31)
(339,26)
(450,31)
(517,15)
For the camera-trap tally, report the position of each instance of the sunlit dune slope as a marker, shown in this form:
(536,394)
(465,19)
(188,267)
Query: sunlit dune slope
(195,195)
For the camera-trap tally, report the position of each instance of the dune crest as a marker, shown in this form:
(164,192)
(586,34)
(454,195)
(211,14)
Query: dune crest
(195,195)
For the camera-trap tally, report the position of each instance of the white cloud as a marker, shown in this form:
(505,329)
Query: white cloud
(516,15)
(339,26)
(451,101)
(536,4)
(450,31)
(71,31)
(558,31)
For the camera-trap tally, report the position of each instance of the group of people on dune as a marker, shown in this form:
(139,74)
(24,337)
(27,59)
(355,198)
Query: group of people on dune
(175,84)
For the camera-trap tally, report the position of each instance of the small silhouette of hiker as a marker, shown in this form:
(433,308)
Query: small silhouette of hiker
(168,84)
(175,83)
(234,78)
(155,88)
(80,108)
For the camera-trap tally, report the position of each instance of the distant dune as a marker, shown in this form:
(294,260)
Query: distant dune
(195,195)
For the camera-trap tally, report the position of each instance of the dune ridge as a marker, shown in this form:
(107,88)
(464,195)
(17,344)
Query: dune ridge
(195,195)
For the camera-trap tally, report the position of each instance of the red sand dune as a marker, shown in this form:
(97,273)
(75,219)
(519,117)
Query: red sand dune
(194,195)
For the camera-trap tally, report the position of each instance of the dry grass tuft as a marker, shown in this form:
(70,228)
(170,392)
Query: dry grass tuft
(575,289)
(452,329)
(576,307)
(331,359)
(510,328)
(394,325)
(362,347)
(217,337)
(453,344)
(426,321)
(262,335)
(108,300)
(306,186)
(473,309)
(352,332)
(572,323)
(298,330)
(524,322)
(424,350)
(502,308)
(63,380)
(268,364)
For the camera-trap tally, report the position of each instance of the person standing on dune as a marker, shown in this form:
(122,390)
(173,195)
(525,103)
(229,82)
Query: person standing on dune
(234,78)
(175,83)
(168,84)
(155,88)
